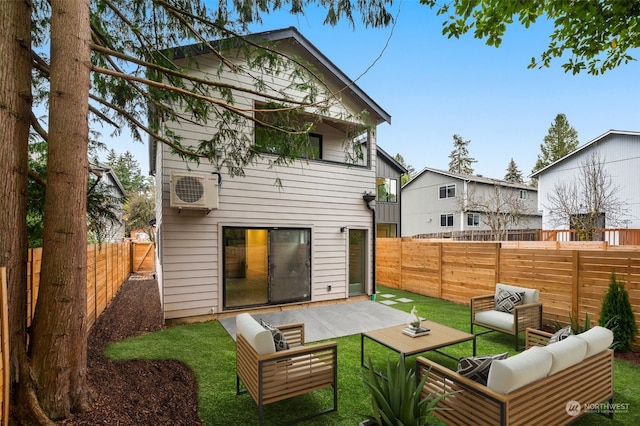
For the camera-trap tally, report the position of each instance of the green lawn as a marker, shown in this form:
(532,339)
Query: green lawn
(209,351)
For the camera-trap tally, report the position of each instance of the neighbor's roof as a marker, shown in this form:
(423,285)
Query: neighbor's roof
(600,138)
(471,178)
(100,169)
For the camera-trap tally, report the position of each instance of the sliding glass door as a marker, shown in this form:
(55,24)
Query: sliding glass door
(266,266)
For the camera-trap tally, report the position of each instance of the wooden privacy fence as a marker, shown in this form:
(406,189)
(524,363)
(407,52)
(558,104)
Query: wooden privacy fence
(108,266)
(618,237)
(572,280)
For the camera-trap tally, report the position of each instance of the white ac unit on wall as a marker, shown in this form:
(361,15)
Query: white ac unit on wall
(193,191)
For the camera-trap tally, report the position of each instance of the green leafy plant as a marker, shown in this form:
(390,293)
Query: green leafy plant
(576,327)
(396,397)
(617,315)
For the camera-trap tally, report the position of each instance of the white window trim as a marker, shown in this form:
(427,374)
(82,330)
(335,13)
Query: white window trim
(447,186)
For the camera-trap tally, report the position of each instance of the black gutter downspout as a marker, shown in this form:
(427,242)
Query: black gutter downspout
(368,198)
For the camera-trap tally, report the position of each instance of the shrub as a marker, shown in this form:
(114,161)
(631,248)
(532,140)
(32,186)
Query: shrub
(396,398)
(617,315)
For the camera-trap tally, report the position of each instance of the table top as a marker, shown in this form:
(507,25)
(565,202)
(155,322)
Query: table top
(439,337)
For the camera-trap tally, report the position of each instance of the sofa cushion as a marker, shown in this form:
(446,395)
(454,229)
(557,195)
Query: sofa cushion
(477,367)
(501,320)
(509,374)
(279,340)
(531,295)
(561,334)
(256,335)
(566,353)
(506,300)
(598,339)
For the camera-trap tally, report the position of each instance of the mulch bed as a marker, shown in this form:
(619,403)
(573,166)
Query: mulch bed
(137,392)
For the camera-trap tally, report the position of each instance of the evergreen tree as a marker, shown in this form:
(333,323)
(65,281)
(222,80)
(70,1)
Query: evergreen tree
(410,170)
(617,315)
(560,140)
(460,159)
(513,173)
(127,169)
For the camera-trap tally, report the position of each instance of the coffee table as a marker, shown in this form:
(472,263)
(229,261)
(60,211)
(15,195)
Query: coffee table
(439,337)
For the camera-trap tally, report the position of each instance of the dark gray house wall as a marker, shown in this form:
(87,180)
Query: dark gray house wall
(388,172)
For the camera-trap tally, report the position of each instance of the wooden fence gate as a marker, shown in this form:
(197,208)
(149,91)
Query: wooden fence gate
(142,257)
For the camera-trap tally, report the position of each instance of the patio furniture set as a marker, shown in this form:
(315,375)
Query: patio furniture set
(547,383)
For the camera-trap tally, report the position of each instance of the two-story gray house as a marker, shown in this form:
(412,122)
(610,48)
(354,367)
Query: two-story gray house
(228,243)
(440,202)
(619,154)
(388,195)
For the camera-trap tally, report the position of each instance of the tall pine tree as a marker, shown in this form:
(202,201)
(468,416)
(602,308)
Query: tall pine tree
(410,170)
(513,173)
(460,161)
(560,140)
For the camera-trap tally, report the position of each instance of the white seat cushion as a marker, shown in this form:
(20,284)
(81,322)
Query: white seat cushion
(565,353)
(260,339)
(598,339)
(497,319)
(531,295)
(507,375)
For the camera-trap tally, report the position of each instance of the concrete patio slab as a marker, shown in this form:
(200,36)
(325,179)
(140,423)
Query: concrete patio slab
(331,321)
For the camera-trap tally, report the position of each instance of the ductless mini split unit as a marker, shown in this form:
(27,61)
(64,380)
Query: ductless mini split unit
(194,191)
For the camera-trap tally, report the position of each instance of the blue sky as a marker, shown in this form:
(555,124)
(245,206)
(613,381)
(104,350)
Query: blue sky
(435,87)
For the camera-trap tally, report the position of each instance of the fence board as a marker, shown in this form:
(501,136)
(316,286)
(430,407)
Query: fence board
(572,277)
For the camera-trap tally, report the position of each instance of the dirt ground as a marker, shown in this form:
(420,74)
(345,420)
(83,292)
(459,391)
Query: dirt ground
(144,392)
(138,392)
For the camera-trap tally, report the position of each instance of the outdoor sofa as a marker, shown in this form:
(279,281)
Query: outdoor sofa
(271,375)
(505,315)
(543,385)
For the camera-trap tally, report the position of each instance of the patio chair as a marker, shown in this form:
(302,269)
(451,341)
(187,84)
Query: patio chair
(269,375)
(510,310)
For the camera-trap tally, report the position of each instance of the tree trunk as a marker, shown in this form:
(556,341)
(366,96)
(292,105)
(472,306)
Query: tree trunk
(58,346)
(15,110)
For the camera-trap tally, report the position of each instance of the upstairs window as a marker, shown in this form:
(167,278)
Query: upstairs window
(447,191)
(272,141)
(386,190)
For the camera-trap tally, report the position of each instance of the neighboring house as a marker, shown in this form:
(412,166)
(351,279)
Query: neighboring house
(261,245)
(619,153)
(113,232)
(388,195)
(437,201)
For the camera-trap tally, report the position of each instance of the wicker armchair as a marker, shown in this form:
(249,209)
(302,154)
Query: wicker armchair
(528,314)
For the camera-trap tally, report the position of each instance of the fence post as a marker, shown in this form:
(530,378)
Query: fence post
(575,284)
(440,270)
(497,271)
